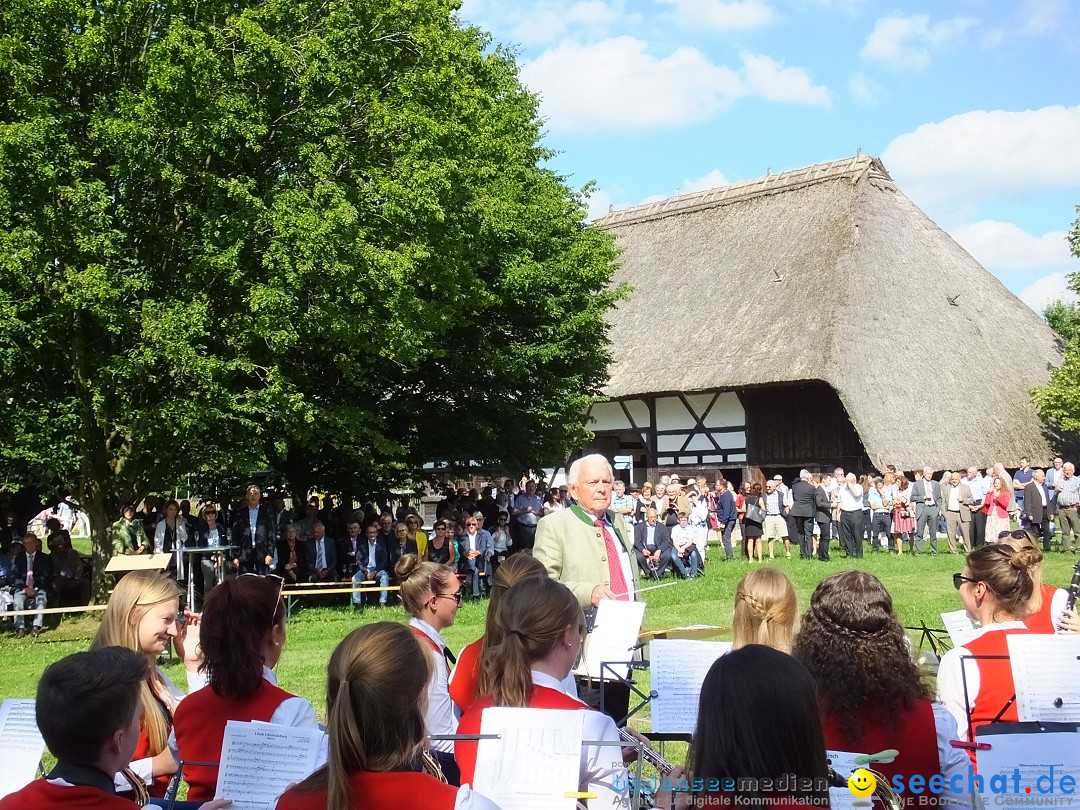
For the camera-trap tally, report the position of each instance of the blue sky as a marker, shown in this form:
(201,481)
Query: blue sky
(973,105)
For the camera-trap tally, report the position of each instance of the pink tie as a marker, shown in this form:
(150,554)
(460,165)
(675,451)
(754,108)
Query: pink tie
(618,581)
(29,571)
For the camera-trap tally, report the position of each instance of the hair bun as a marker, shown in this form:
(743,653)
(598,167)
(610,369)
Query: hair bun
(406,566)
(1025,557)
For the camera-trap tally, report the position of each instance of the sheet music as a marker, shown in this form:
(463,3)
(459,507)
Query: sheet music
(615,632)
(21,745)
(1046,670)
(535,763)
(843,762)
(677,668)
(259,761)
(960,627)
(1033,755)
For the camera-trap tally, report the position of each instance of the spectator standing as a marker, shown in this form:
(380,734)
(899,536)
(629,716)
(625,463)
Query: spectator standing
(822,516)
(753,520)
(30,586)
(726,514)
(488,507)
(623,503)
(996,505)
(880,515)
(926,495)
(253,534)
(1036,513)
(978,487)
(552,502)
(851,506)
(644,501)
(1021,478)
(803,511)
(1067,486)
(957,502)
(775,523)
(527,510)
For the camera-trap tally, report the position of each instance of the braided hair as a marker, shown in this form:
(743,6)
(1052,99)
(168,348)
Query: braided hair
(766,611)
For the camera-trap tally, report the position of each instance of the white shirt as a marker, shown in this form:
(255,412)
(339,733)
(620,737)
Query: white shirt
(294,712)
(371,555)
(253,521)
(951,676)
(472,540)
(954,499)
(442,716)
(320,553)
(850,498)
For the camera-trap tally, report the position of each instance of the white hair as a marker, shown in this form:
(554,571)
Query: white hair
(804,475)
(593,458)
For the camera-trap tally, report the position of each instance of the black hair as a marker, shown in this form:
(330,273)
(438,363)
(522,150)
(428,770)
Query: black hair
(758,720)
(84,699)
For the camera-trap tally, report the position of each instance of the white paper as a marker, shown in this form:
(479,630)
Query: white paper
(960,627)
(845,764)
(21,745)
(536,761)
(1046,671)
(677,668)
(614,635)
(1032,755)
(259,761)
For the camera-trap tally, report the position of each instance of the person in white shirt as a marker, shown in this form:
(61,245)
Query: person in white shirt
(432,595)
(850,497)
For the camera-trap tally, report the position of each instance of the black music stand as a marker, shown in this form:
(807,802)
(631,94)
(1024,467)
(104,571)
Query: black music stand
(937,640)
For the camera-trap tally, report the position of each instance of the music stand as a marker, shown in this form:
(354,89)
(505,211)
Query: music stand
(938,640)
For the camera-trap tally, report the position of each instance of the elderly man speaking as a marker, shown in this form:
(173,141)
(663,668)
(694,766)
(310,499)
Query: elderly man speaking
(586,547)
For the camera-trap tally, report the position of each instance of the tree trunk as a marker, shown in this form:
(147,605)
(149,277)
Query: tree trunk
(94,503)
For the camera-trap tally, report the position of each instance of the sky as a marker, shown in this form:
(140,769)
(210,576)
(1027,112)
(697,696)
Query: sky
(972,105)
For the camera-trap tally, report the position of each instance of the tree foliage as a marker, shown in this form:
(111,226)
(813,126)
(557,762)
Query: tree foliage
(317,237)
(1059,401)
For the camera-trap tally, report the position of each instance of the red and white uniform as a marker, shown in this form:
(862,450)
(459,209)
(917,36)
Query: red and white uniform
(398,790)
(1053,605)
(442,716)
(56,794)
(989,681)
(199,727)
(597,772)
(465,679)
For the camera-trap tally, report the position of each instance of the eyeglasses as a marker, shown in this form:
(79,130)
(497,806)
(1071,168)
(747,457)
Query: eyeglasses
(471,524)
(960,579)
(458,596)
(1015,534)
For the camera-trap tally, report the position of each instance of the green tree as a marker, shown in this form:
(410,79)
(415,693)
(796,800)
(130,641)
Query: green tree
(313,236)
(1059,401)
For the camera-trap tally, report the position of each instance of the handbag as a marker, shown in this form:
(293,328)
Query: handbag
(755,513)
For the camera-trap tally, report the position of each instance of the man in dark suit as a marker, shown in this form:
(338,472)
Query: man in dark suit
(1036,511)
(322,554)
(926,496)
(253,534)
(652,544)
(372,563)
(802,509)
(30,583)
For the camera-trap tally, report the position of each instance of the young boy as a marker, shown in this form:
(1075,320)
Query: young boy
(88,711)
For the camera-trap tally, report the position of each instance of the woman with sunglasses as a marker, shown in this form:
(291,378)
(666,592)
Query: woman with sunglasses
(440,548)
(432,595)
(242,635)
(525,665)
(142,616)
(997,586)
(417,535)
(375,692)
(1048,601)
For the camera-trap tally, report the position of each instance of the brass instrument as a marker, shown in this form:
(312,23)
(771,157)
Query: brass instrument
(431,766)
(883,791)
(138,787)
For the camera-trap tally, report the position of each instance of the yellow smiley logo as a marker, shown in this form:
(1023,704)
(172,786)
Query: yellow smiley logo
(862,783)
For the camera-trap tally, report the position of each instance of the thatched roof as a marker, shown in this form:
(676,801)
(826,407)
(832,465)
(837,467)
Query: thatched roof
(931,356)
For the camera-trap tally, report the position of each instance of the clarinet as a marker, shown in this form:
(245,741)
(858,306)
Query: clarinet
(1074,588)
(649,754)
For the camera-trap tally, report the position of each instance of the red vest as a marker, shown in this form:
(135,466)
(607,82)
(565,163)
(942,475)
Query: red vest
(465,687)
(42,795)
(1041,622)
(996,685)
(200,729)
(399,790)
(543,697)
(915,737)
(160,785)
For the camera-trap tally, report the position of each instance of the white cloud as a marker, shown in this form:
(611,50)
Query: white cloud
(1033,18)
(905,43)
(866,92)
(543,21)
(721,15)
(713,179)
(617,84)
(600,203)
(1049,288)
(1007,246)
(984,154)
(773,82)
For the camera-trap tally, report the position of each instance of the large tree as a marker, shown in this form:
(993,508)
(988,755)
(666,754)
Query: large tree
(1059,402)
(318,237)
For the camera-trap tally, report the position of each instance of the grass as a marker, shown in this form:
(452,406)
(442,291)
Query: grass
(921,588)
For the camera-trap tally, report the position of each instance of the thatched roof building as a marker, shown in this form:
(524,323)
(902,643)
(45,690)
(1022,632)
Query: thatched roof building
(815,316)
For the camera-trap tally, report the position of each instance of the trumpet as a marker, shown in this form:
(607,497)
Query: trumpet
(138,787)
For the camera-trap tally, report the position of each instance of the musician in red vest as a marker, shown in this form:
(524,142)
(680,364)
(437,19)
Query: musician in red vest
(870,691)
(88,711)
(542,632)
(376,688)
(997,586)
(432,595)
(1048,601)
(242,634)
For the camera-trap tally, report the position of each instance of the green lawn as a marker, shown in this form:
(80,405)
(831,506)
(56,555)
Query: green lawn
(921,588)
